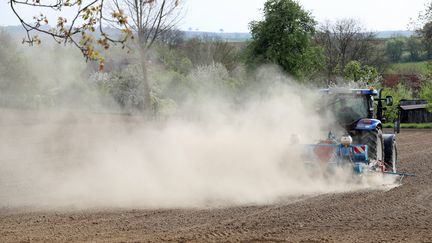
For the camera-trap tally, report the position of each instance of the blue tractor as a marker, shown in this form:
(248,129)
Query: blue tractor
(363,145)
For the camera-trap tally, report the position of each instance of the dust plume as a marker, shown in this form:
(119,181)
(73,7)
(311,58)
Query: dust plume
(61,147)
(209,154)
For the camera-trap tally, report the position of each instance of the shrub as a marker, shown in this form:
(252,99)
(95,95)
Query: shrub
(399,92)
(426,93)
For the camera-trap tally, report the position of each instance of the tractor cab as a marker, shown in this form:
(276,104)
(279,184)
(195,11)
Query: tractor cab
(354,108)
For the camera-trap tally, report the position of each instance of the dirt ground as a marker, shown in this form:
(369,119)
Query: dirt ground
(400,214)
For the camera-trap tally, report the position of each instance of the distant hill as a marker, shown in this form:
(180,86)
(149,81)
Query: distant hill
(230,37)
(390,34)
(247,36)
(18,32)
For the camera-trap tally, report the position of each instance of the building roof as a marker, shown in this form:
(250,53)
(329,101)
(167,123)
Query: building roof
(413,107)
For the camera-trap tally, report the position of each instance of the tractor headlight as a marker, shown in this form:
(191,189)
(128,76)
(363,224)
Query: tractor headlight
(346,140)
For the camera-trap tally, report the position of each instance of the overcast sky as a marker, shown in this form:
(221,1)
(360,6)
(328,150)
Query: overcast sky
(234,15)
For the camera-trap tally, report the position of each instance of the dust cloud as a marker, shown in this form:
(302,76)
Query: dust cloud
(222,157)
(209,153)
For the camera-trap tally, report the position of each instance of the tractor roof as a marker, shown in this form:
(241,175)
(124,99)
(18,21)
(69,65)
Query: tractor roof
(349,91)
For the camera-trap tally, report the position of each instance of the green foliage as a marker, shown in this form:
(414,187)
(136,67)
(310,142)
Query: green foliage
(126,89)
(414,47)
(394,49)
(426,34)
(161,107)
(399,93)
(426,93)
(13,75)
(174,78)
(420,68)
(355,71)
(207,51)
(410,125)
(218,81)
(173,85)
(170,89)
(174,60)
(284,38)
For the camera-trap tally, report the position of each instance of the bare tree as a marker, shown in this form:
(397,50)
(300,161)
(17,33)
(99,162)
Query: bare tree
(146,20)
(423,29)
(344,41)
(88,18)
(325,38)
(172,38)
(151,19)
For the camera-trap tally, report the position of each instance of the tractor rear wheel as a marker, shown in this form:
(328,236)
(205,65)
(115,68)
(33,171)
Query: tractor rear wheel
(374,141)
(390,154)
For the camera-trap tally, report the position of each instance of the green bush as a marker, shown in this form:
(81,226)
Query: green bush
(174,60)
(426,93)
(408,68)
(355,71)
(394,49)
(399,93)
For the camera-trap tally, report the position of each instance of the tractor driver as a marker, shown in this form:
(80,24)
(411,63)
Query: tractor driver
(344,110)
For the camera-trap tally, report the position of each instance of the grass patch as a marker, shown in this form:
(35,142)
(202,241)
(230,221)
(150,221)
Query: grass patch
(408,68)
(410,125)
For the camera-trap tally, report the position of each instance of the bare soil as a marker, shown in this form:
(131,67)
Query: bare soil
(401,214)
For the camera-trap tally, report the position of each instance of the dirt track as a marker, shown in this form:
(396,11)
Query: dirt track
(401,214)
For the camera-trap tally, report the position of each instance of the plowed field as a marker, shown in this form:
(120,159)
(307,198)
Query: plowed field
(401,214)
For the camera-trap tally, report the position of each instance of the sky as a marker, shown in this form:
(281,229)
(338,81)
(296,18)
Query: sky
(234,15)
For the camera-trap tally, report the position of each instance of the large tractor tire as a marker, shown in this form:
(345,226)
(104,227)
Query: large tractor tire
(390,152)
(374,141)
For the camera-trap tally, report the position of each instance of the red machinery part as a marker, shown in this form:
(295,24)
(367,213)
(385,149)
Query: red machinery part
(324,153)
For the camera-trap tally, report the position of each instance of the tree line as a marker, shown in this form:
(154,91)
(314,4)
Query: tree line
(164,69)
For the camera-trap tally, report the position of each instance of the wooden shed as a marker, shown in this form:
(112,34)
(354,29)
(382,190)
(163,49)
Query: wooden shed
(414,111)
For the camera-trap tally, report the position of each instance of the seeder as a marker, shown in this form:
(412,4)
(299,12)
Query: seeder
(330,154)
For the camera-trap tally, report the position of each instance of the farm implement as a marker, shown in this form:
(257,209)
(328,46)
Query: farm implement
(330,154)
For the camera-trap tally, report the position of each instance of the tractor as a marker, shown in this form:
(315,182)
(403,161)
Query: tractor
(362,145)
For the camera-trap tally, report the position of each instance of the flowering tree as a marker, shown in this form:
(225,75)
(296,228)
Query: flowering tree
(141,20)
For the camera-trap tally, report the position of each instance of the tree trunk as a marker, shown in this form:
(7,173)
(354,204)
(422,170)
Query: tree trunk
(147,105)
